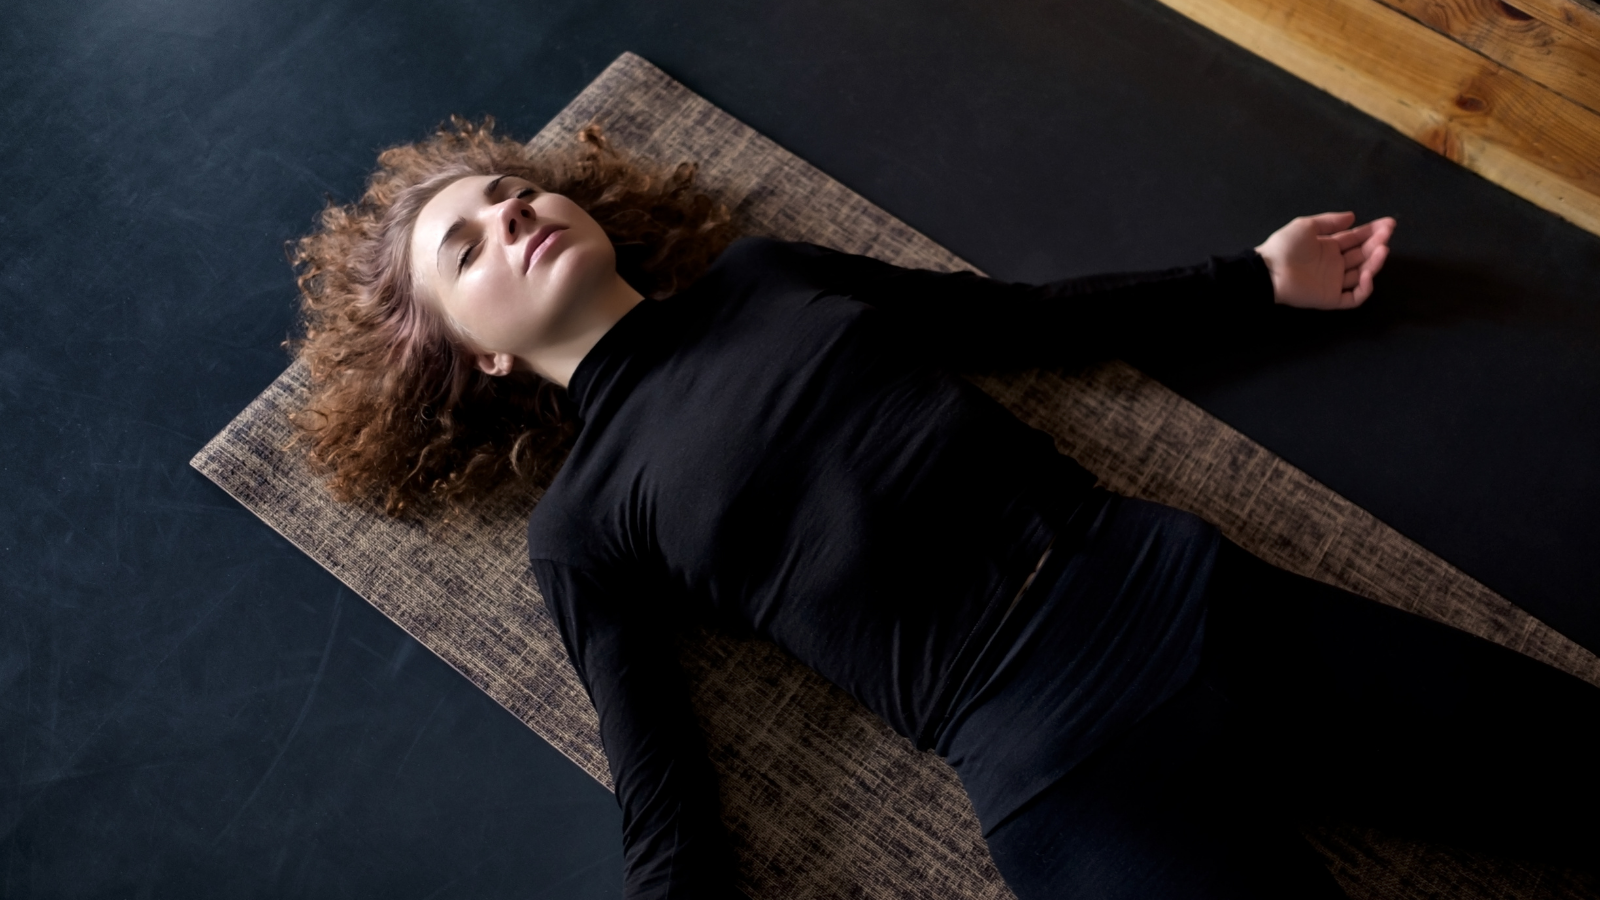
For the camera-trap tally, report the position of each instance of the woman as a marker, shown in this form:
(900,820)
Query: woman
(773,441)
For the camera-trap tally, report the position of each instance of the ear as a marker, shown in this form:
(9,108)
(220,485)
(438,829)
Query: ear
(496,364)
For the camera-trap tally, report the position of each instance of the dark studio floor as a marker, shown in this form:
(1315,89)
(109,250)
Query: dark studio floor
(189,706)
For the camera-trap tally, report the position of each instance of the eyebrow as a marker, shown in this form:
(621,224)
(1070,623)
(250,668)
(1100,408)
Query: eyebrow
(460,223)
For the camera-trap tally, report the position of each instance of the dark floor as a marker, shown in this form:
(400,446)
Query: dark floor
(190,707)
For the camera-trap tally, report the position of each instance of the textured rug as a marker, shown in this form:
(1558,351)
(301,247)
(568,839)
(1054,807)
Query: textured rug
(824,800)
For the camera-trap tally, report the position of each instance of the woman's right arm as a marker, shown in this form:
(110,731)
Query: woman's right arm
(674,844)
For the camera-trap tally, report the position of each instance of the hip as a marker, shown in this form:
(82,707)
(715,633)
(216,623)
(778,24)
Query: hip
(1108,626)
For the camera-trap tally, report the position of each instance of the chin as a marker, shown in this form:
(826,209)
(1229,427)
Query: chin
(578,276)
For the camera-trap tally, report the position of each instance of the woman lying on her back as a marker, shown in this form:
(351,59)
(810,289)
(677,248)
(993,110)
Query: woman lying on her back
(770,436)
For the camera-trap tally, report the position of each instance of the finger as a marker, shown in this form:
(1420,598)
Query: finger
(1362,290)
(1364,286)
(1377,235)
(1330,222)
(1382,230)
(1375,232)
(1355,237)
(1374,260)
(1357,294)
(1351,278)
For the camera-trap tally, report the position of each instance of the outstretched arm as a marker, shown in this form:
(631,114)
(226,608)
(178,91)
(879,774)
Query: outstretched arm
(1313,262)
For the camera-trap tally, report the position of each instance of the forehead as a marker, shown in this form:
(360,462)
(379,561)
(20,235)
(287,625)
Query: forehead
(459,199)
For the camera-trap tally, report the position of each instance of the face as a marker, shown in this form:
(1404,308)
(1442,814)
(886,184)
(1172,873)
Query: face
(512,266)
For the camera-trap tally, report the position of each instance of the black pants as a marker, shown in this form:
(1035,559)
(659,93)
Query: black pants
(1310,703)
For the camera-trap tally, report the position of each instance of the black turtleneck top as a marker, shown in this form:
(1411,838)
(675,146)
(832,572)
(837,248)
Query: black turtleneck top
(784,448)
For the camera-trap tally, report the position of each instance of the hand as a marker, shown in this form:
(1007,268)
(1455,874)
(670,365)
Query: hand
(1320,262)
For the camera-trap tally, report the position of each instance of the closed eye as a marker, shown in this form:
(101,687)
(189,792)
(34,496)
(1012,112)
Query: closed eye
(466,252)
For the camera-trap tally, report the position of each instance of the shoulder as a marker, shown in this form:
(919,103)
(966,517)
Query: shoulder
(765,258)
(585,519)
(760,266)
(555,531)
(757,249)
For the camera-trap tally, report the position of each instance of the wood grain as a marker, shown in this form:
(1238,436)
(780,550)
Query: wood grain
(1578,19)
(1555,43)
(1453,100)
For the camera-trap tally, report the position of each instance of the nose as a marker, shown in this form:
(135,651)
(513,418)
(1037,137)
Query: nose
(515,219)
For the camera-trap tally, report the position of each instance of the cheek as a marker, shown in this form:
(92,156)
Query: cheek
(488,306)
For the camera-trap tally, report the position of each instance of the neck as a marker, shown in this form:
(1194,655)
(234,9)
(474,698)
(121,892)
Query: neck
(558,361)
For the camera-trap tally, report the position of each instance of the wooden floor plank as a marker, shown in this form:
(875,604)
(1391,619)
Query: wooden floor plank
(1580,19)
(1554,42)
(1489,118)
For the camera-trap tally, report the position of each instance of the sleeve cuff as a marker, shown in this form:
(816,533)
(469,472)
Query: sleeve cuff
(1243,281)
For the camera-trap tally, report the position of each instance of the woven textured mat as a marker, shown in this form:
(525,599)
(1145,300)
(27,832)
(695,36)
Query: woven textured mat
(824,800)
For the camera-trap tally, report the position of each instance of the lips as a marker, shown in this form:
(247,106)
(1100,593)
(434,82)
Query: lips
(537,243)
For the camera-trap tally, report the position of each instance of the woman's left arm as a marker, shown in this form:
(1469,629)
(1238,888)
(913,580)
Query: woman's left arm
(1312,262)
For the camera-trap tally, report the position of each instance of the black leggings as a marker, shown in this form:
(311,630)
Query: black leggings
(1314,703)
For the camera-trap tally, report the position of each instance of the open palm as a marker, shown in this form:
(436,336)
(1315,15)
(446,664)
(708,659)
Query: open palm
(1320,262)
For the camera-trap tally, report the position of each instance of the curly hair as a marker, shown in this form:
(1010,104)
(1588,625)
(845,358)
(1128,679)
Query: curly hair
(397,414)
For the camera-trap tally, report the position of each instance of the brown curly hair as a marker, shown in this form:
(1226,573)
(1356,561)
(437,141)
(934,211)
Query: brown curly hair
(397,413)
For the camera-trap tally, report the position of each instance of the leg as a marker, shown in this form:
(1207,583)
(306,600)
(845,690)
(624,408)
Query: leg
(1398,720)
(1161,812)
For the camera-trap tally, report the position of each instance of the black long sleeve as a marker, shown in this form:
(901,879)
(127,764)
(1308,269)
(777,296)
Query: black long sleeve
(782,448)
(620,640)
(972,321)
